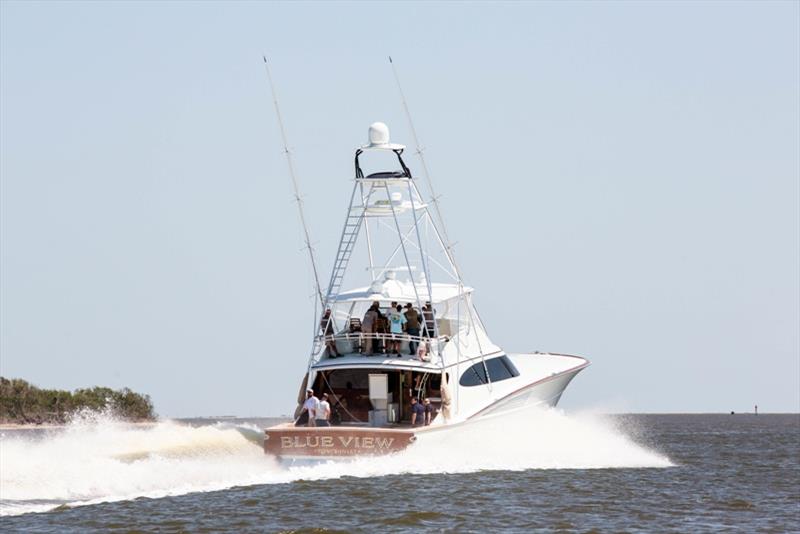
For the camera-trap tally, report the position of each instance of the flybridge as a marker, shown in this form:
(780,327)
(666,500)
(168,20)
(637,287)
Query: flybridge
(391,233)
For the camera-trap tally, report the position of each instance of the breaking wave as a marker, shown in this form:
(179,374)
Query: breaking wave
(99,459)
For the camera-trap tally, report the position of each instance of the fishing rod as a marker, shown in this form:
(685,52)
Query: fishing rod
(448,247)
(297,196)
(419,152)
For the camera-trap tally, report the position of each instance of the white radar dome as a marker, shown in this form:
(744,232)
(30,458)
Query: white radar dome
(378,134)
(379,138)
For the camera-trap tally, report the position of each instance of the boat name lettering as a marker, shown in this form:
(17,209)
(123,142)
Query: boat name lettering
(315,442)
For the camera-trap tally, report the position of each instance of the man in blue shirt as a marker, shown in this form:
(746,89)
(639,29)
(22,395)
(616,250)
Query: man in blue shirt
(417,412)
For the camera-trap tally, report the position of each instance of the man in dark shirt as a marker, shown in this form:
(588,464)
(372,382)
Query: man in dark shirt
(412,328)
(417,412)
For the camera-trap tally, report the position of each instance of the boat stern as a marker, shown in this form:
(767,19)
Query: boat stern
(289,441)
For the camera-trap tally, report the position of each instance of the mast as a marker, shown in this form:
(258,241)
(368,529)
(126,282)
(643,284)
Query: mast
(298,199)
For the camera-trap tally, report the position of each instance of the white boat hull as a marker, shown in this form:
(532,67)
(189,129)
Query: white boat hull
(322,444)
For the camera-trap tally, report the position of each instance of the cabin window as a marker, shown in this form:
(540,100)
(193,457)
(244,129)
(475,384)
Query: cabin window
(500,368)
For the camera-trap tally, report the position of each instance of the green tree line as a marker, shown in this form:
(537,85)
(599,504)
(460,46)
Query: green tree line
(22,402)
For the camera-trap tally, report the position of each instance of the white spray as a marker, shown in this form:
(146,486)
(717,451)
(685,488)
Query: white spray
(100,459)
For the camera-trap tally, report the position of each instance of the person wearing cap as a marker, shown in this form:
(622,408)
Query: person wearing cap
(412,328)
(311,405)
(322,414)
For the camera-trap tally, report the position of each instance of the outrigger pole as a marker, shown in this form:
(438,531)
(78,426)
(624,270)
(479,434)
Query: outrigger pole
(297,196)
(419,152)
(448,248)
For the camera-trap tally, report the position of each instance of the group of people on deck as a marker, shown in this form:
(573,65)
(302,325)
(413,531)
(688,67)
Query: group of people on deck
(384,329)
(317,411)
(421,413)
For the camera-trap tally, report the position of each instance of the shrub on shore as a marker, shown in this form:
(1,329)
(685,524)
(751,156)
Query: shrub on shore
(22,402)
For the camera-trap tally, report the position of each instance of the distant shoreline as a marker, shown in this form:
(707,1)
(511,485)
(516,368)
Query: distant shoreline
(24,404)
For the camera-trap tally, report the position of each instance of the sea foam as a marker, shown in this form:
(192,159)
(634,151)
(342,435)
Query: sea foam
(99,459)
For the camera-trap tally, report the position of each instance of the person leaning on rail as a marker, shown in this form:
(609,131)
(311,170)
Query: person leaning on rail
(397,322)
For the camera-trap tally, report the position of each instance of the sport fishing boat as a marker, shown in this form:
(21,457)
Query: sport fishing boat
(375,362)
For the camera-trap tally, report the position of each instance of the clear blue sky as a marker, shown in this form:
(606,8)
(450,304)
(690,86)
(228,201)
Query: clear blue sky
(621,179)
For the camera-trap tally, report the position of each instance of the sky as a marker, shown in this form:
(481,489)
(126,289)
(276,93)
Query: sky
(621,181)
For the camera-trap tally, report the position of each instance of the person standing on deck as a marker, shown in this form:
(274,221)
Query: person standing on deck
(396,323)
(368,325)
(310,406)
(412,328)
(322,414)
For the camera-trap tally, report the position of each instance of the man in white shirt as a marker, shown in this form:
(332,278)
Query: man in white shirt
(323,412)
(311,405)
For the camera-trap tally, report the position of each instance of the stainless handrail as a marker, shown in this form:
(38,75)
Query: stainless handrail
(350,336)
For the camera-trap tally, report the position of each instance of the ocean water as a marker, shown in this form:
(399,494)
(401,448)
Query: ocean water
(543,471)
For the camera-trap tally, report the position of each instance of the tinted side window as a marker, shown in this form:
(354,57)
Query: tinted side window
(474,376)
(500,368)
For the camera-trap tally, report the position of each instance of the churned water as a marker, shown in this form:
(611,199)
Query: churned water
(543,471)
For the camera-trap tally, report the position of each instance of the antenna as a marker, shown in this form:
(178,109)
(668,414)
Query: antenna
(434,198)
(297,197)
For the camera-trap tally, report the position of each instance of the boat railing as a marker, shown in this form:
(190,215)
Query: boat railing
(357,340)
